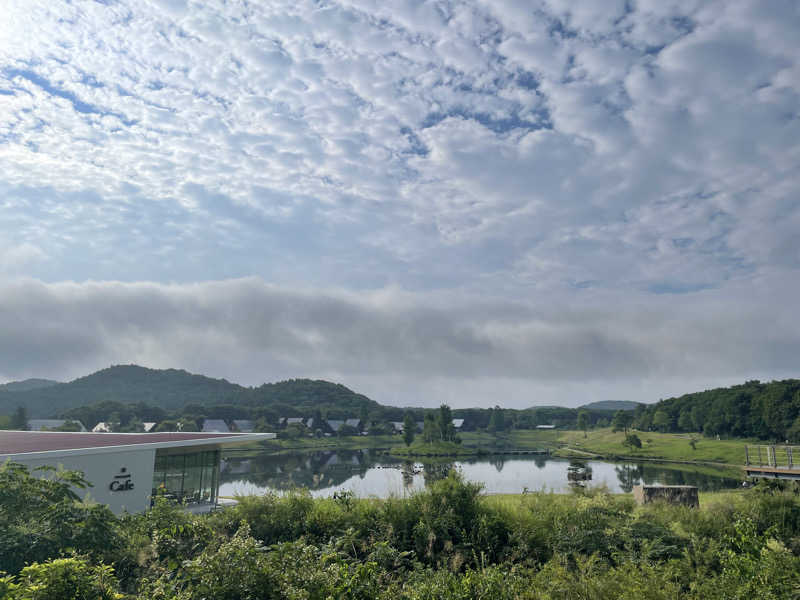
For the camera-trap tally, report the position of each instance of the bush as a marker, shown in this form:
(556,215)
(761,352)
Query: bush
(64,579)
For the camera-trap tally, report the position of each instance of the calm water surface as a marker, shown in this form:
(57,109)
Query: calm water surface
(368,474)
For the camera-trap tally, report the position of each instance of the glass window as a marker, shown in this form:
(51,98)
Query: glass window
(189,477)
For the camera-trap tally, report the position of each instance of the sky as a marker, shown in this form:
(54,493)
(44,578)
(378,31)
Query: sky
(512,202)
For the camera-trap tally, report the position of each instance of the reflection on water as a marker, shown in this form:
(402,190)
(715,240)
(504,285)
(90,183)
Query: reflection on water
(368,474)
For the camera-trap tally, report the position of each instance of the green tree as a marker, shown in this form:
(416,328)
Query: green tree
(583,421)
(632,441)
(430,429)
(68,426)
(409,428)
(622,420)
(19,420)
(661,421)
(171,425)
(444,420)
(685,422)
(497,420)
(363,418)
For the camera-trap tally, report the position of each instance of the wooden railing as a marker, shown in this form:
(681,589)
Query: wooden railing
(777,457)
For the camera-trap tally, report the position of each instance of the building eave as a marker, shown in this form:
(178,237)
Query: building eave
(233,438)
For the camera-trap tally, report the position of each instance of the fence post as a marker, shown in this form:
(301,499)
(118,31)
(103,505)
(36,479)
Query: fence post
(759,456)
(789,457)
(746,456)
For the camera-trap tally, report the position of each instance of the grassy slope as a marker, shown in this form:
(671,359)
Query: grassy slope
(600,442)
(435,449)
(330,443)
(664,446)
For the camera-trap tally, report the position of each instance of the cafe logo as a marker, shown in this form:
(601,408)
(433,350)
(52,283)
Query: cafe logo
(122,482)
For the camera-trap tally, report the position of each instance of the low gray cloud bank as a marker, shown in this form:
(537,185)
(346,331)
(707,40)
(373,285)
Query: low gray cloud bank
(404,348)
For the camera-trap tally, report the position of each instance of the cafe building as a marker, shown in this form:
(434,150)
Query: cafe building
(127,470)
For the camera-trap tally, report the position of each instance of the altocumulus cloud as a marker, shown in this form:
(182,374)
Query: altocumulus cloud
(252,332)
(478,201)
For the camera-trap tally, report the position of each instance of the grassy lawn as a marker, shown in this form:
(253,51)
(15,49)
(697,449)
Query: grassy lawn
(598,442)
(664,446)
(356,442)
(419,448)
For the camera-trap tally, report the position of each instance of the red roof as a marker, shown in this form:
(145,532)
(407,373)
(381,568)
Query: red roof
(19,442)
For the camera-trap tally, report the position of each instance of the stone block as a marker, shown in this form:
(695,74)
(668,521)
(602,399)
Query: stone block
(672,494)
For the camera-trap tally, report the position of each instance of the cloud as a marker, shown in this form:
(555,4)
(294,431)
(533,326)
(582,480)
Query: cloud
(555,153)
(249,331)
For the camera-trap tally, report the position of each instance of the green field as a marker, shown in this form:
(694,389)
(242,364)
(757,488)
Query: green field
(660,446)
(434,449)
(598,443)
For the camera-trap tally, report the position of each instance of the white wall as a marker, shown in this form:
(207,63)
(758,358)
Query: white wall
(101,468)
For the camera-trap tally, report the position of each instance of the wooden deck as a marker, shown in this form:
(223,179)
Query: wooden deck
(772,462)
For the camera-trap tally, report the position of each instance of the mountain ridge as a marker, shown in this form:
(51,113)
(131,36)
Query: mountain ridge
(611,405)
(24,385)
(173,389)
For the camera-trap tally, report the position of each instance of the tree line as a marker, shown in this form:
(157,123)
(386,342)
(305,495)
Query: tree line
(768,411)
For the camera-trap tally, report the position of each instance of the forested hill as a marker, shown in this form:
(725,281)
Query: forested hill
(27,384)
(753,409)
(611,405)
(173,389)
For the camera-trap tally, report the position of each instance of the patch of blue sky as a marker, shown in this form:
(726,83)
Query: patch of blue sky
(584,284)
(416,145)
(677,287)
(78,104)
(526,80)
(682,242)
(492,123)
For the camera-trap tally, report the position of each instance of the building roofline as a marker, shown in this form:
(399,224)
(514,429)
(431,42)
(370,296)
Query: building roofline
(221,439)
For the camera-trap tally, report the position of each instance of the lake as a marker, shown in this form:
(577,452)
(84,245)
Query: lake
(368,473)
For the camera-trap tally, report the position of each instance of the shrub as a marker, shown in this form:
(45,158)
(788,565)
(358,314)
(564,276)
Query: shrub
(64,579)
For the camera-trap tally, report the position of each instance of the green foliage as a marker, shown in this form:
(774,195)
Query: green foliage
(409,428)
(72,578)
(753,409)
(622,421)
(444,421)
(41,518)
(447,542)
(583,421)
(497,421)
(632,441)
(19,419)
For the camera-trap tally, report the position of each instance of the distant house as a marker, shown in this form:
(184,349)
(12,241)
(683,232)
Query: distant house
(244,425)
(148,426)
(398,426)
(292,420)
(215,426)
(44,424)
(545,427)
(458,423)
(103,427)
(335,424)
